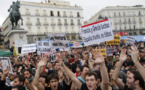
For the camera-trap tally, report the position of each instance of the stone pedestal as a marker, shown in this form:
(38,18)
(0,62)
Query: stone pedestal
(18,38)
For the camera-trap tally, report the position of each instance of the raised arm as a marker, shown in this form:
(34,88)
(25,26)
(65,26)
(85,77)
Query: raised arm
(104,74)
(37,74)
(134,56)
(118,81)
(70,74)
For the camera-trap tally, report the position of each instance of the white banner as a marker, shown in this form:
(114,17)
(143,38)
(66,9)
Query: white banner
(97,32)
(29,48)
(6,62)
(44,46)
(20,43)
(52,58)
(130,39)
(59,40)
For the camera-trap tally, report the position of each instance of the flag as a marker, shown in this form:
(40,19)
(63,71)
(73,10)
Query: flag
(15,53)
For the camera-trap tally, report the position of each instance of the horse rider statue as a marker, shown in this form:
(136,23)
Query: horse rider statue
(15,14)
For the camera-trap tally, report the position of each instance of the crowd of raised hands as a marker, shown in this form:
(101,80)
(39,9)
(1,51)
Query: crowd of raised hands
(77,69)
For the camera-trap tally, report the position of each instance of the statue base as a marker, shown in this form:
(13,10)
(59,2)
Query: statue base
(18,38)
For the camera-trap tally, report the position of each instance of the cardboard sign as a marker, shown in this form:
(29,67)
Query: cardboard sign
(97,32)
(29,48)
(59,40)
(109,52)
(116,40)
(44,47)
(103,52)
(130,39)
(6,62)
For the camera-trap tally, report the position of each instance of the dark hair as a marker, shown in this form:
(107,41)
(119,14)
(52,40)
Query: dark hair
(29,70)
(44,76)
(82,67)
(20,77)
(90,73)
(137,76)
(52,76)
(130,63)
(117,55)
(19,87)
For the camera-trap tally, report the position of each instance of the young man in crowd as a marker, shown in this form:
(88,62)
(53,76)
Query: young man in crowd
(90,76)
(135,80)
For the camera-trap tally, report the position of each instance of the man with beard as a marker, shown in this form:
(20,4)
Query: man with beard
(27,73)
(135,80)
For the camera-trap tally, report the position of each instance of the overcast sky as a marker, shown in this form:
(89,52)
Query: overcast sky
(90,7)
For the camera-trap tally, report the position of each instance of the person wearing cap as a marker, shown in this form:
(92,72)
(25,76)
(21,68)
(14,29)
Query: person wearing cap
(142,56)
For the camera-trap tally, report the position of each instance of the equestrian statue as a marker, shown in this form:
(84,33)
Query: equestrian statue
(15,15)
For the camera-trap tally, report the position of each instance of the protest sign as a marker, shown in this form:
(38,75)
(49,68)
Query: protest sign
(6,62)
(103,52)
(59,40)
(29,48)
(76,44)
(130,39)
(97,32)
(116,40)
(109,52)
(52,58)
(44,46)
(20,43)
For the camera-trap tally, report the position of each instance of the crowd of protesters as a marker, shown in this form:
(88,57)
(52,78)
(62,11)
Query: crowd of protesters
(78,69)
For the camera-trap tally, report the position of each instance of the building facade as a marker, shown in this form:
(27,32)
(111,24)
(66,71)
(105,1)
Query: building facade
(54,16)
(125,20)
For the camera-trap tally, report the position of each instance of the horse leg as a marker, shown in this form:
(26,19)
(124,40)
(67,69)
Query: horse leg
(12,24)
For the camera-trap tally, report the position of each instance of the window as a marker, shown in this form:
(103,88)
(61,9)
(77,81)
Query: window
(29,30)
(45,20)
(38,20)
(27,12)
(37,12)
(139,13)
(44,12)
(124,27)
(66,29)
(116,28)
(134,26)
(123,13)
(51,13)
(114,14)
(71,22)
(128,13)
(78,14)
(64,14)
(71,14)
(119,14)
(58,14)
(129,26)
(60,29)
(28,19)
(79,23)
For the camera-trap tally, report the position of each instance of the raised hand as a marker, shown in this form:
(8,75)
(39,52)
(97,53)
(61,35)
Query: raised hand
(26,81)
(134,52)
(123,55)
(98,56)
(58,58)
(6,71)
(43,61)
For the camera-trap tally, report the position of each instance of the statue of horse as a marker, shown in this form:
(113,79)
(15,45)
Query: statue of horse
(15,15)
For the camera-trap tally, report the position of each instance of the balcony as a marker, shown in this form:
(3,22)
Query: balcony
(53,24)
(38,24)
(64,16)
(28,23)
(72,24)
(27,13)
(65,24)
(44,14)
(45,24)
(79,24)
(59,24)
(37,14)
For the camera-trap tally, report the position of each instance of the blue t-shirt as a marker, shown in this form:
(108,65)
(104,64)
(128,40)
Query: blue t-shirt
(80,78)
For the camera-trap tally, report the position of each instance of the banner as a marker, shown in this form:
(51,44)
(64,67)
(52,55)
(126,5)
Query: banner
(59,40)
(116,41)
(103,52)
(97,32)
(29,48)
(43,47)
(6,62)
(130,39)
(109,52)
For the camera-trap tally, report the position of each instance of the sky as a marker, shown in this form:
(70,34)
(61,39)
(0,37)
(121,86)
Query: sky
(90,7)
